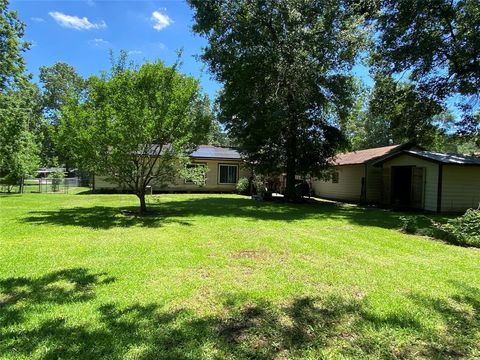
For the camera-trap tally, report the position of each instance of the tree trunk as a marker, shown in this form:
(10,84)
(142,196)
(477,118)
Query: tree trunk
(290,194)
(143,204)
(21,186)
(291,152)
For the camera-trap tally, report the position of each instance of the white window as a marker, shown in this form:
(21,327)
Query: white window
(227,174)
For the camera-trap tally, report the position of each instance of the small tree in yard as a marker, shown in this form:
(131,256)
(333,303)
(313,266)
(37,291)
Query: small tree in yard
(137,125)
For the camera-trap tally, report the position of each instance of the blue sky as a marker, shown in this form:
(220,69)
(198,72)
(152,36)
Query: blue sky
(81,32)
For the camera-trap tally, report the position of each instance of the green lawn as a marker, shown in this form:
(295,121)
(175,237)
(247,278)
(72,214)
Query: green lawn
(221,276)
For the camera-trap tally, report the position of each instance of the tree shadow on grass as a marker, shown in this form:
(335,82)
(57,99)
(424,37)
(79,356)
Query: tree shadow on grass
(104,217)
(245,329)
(100,217)
(18,294)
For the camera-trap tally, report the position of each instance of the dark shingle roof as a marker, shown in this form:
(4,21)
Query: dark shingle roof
(215,152)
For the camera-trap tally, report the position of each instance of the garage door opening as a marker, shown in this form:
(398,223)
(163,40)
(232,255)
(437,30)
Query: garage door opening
(407,187)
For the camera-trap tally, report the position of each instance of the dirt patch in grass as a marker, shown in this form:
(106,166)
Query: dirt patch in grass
(249,254)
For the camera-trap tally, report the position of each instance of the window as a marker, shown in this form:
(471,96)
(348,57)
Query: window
(195,165)
(335,177)
(227,174)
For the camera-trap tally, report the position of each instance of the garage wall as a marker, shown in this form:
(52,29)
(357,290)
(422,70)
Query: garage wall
(460,187)
(374,184)
(431,176)
(348,188)
(211,185)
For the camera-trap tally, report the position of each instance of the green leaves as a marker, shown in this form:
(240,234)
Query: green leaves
(285,67)
(137,124)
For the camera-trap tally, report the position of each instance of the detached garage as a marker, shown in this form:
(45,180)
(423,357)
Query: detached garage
(431,181)
(404,176)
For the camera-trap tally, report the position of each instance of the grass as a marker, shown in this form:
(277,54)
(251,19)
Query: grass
(221,276)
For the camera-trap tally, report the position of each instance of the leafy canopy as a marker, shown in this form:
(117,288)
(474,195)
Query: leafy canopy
(136,125)
(18,148)
(284,66)
(436,42)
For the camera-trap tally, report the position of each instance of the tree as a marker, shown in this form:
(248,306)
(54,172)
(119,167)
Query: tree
(18,148)
(284,66)
(12,64)
(137,125)
(436,42)
(398,113)
(60,82)
(217,136)
(394,112)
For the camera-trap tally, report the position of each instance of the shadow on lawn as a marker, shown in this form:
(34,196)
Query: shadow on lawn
(246,329)
(104,217)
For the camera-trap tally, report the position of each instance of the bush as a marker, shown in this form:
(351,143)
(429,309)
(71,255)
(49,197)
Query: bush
(243,186)
(57,178)
(8,182)
(409,224)
(463,230)
(259,185)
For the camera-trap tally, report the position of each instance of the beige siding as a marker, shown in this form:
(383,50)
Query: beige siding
(374,184)
(212,183)
(461,187)
(431,176)
(102,183)
(348,188)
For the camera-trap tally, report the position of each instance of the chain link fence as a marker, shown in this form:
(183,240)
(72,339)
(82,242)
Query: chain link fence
(47,185)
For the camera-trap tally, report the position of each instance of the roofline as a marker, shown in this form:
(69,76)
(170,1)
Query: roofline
(396,149)
(405,152)
(215,158)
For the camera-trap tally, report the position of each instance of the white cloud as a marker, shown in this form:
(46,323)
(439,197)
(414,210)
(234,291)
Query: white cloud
(75,22)
(161,20)
(99,42)
(135,52)
(37,19)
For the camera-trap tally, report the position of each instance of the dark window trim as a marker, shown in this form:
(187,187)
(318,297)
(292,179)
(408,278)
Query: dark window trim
(218,173)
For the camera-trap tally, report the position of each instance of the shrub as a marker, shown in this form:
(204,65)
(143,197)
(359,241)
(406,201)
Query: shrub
(57,177)
(243,186)
(463,230)
(8,182)
(409,224)
(259,184)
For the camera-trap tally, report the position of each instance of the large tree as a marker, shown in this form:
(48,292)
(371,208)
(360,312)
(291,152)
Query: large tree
(136,126)
(18,110)
(435,42)
(60,82)
(398,113)
(284,66)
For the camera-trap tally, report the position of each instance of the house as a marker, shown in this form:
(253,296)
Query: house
(404,176)
(225,167)
(354,178)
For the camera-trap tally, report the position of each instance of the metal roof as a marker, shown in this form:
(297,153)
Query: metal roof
(452,159)
(215,152)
